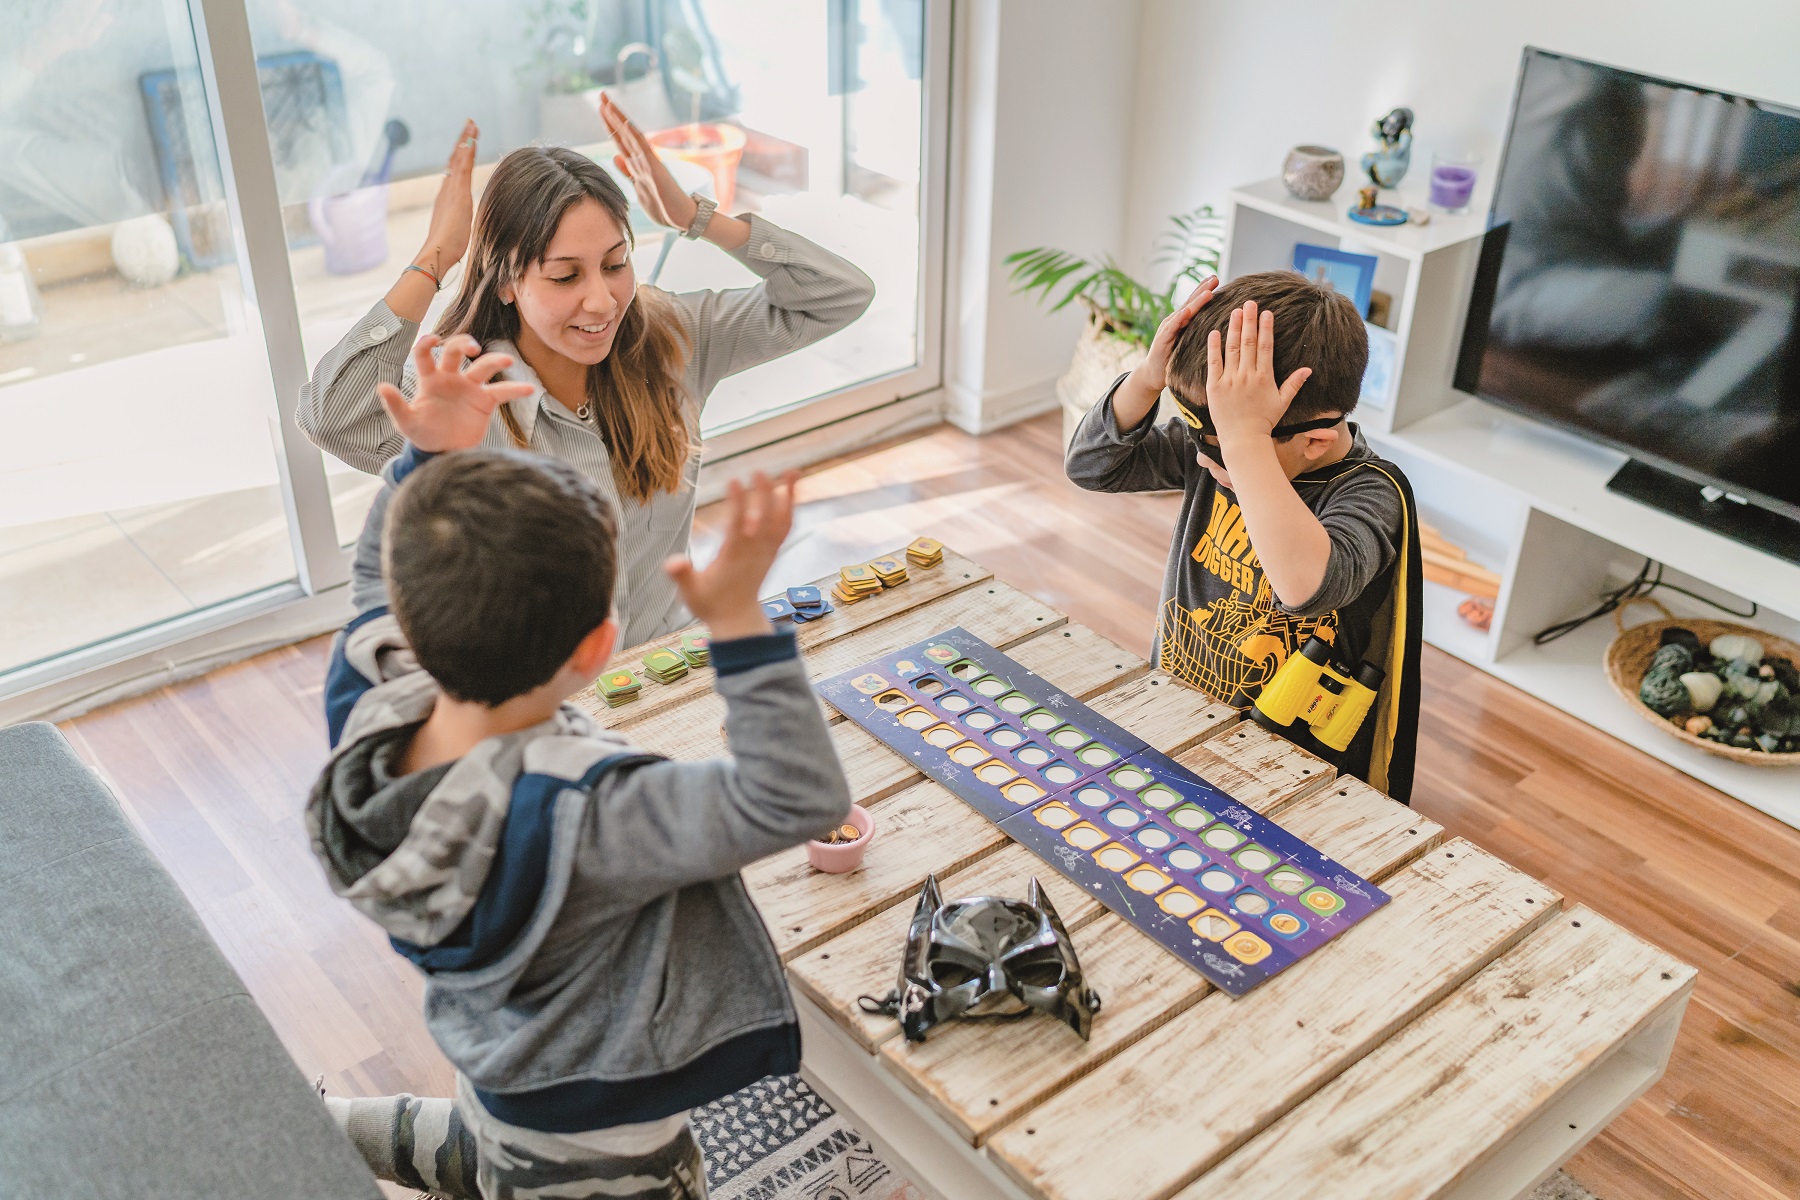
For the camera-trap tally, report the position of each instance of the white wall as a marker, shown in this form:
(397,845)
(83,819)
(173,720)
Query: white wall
(1225,88)
(1040,155)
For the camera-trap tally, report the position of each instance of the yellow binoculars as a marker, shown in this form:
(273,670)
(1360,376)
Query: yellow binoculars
(1309,688)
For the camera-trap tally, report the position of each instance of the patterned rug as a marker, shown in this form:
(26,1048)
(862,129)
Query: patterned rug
(780,1140)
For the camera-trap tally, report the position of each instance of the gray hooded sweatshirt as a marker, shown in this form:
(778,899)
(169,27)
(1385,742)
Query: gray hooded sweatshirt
(592,956)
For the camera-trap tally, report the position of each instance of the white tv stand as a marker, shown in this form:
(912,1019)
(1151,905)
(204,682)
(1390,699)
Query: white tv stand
(1525,499)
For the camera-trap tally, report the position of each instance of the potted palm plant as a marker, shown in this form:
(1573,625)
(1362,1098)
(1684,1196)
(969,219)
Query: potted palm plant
(1123,312)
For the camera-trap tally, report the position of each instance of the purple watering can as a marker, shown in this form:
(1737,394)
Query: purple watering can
(351,221)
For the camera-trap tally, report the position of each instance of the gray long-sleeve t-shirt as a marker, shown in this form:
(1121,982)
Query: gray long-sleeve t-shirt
(1219,625)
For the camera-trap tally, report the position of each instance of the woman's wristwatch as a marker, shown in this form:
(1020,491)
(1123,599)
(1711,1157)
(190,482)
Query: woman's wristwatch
(703,211)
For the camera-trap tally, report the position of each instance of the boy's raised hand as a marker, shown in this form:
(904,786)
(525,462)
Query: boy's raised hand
(725,594)
(1153,372)
(455,399)
(1241,395)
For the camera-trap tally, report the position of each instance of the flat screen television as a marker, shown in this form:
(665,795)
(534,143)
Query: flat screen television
(1640,285)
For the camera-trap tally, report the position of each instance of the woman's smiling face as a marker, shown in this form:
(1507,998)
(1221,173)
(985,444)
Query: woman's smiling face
(575,298)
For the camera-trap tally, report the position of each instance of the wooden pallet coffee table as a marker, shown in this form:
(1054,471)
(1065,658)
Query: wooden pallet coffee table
(1462,1042)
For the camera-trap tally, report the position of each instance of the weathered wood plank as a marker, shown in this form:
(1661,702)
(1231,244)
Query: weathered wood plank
(952,575)
(1277,763)
(1426,1109)
(1160,1114)
(920,830)
(980,1078)
(865,961)
(1166,715)
(1267,776)
(1359,824)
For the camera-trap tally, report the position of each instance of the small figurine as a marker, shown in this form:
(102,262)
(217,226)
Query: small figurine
(1365,198)
(1386,164)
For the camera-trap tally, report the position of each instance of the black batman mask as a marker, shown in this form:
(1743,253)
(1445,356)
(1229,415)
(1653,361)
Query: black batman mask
(972,953)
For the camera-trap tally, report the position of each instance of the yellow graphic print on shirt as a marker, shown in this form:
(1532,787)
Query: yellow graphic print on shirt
(1231,647)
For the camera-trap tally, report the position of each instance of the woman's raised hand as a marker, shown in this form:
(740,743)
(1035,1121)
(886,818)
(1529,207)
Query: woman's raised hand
(453,212)
(456,398)
(657,190)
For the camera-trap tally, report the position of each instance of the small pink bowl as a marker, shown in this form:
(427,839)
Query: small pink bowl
(845,856)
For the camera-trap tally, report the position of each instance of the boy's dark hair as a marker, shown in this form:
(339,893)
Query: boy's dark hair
(498,563)
(1316,326)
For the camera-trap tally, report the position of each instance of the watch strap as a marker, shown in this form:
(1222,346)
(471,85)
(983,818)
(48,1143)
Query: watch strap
(703,211)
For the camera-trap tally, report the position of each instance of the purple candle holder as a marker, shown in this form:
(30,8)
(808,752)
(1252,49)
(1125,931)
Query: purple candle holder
(1452,182)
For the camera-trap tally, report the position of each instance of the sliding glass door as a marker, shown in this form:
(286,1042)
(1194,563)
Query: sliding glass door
(199,198)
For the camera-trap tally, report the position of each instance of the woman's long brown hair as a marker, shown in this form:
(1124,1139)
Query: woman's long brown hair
(635,392)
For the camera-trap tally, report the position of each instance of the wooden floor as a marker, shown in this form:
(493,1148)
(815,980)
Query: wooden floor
(214,773)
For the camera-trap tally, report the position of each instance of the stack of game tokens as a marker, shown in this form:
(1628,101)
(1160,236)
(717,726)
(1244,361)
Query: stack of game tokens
(696,649)
(618,688)
(925,552)
(891,571)
(855,583)
(665,665)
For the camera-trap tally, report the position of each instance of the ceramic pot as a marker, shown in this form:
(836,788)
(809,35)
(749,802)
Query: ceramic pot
(1313,172)
(845,856)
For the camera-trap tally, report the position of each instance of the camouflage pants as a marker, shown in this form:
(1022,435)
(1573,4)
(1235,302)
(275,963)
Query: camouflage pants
(456,1148)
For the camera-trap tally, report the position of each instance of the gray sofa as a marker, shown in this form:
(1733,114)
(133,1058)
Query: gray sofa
(132,1061)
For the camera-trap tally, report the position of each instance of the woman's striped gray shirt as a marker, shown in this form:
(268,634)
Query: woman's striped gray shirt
(806,293)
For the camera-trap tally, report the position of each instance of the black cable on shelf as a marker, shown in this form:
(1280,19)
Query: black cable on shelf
(1646,582)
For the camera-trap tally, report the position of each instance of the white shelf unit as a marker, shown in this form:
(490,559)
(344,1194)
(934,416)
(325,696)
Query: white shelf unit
(1524,499)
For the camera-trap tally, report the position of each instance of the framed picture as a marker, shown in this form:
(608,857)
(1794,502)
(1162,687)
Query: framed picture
(1351,274)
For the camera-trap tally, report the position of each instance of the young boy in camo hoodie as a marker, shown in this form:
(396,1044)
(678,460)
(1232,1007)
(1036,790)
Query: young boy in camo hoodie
(594,966)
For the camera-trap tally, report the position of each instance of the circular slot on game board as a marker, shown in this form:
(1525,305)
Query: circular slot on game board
(1215,880)
(1015,702)
(1094,796)
(1146,879)
(1288,881)
(1285,924)
(1069,737)
(995,773)
(1006,738)
(1129,778)
(1254,859)
(967,669)
(1022,791)
(1184,859)
(991,686)
(929,685)
(980,718)
(916,718)
(942,736)
(954,703)
(1155,838)
(1042,719)
(1096,755)
(1159,797)
(1084,836)
(1189,816)
(1056,816)
(1222,837)
(968,754)
(1124,817)
(1179,902)
(1213,925)
(1254,903)
(1032,756)
(1061,774)
(1115,858)
(893,701)
(1322,901)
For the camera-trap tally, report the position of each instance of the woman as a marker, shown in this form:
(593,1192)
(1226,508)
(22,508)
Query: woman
(617,374)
